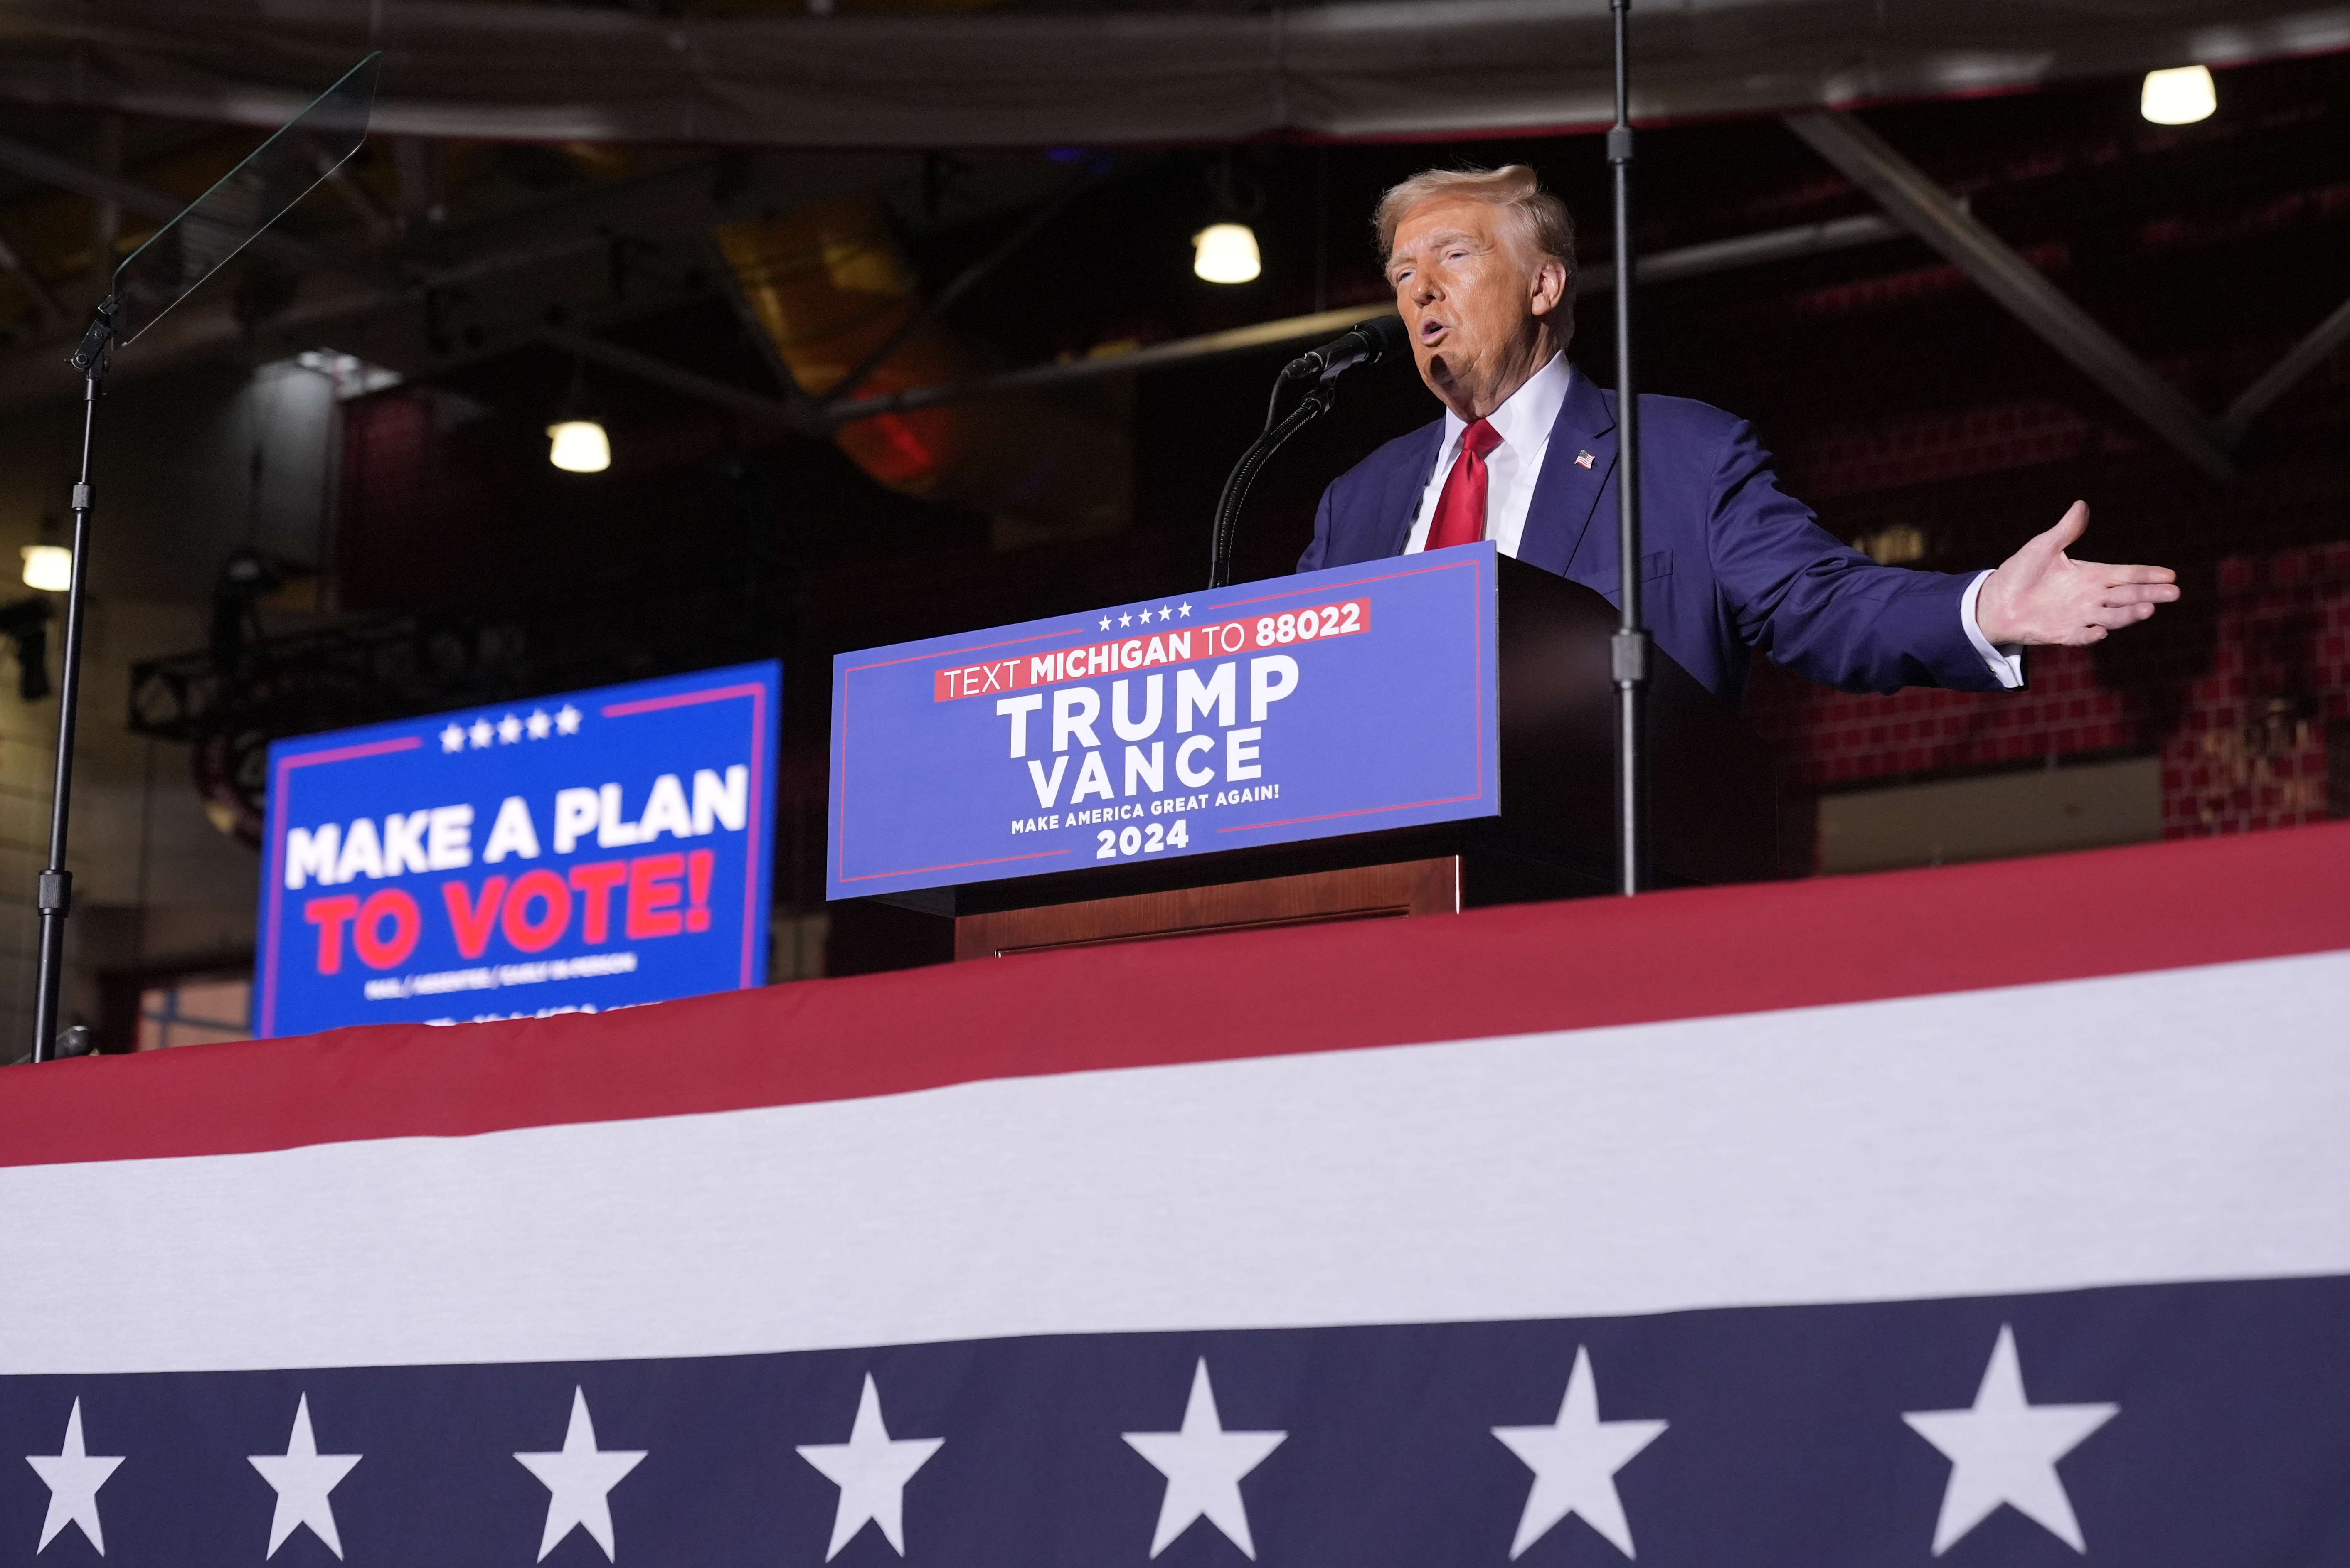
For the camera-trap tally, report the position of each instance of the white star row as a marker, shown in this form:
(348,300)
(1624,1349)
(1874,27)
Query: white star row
(301,1476)
(509,729)
(871,1469)
(2003,1451)
(1144,615)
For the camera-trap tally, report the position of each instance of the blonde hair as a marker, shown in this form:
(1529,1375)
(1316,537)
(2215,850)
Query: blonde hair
(1542,220)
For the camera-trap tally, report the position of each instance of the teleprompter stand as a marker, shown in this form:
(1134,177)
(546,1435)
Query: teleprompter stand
(235,212)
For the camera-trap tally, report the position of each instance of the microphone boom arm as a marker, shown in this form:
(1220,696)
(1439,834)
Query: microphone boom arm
(1367,343)
(1237,484)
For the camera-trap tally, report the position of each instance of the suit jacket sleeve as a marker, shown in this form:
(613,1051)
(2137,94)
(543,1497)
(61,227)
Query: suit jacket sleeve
(1820,608)
(1316,551)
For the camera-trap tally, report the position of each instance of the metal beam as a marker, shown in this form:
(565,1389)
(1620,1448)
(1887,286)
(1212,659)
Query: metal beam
(1038,378)
(381,226)
(684,198)
(2304,356)
(1747,249)
(682,195)
(1665,267)
(755,330)
(681,198)
(162,206)
(1933,215)
(677,379)
(11,261)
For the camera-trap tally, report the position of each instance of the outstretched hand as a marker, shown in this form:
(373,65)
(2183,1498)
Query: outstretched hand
(2040,596)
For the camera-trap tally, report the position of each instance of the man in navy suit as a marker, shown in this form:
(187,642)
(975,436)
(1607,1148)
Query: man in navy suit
(1483,265)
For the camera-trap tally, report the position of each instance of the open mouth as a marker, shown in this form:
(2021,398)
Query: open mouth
(1430,330)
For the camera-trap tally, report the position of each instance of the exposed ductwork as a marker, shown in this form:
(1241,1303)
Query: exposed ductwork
(834,291)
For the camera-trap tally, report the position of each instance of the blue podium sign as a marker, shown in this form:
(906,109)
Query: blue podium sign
(1330,702)
(574,853)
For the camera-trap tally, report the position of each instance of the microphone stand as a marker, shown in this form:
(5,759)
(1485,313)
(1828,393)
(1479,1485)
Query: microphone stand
(54,891)
(1628,649)
(1316,402)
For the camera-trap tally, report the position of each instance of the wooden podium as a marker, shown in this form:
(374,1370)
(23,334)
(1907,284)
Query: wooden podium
(1713,794)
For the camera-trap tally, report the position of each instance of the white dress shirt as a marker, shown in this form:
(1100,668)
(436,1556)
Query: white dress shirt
(2006,659)
(1523,423)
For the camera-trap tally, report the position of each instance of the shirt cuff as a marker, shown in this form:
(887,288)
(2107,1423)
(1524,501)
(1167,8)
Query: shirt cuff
(2005,660)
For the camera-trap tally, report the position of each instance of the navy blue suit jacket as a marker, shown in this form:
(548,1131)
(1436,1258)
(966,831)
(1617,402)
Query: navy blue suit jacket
(1731,564)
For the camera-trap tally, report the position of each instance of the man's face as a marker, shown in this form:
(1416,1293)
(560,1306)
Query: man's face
(1471,301)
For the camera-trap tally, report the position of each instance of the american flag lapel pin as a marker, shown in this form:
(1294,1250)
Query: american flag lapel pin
(1583,460)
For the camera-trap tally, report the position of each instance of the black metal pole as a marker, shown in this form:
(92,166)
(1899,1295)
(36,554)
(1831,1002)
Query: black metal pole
(54,892)
(1629,648)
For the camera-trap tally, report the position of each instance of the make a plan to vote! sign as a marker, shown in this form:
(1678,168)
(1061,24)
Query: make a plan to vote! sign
(574,853)
(1337,701)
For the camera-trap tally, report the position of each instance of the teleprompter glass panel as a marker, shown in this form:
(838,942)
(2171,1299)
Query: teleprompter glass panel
(245,201)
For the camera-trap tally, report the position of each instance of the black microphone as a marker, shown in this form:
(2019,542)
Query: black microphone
(1364,343)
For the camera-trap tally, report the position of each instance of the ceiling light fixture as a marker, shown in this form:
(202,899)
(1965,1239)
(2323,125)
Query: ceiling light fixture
(1226,253)
(576,443)
(579,446)
(1225,250)
(2177,97)
(48,567)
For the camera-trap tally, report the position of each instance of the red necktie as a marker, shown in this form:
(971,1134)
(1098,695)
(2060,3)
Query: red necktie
(1460,506)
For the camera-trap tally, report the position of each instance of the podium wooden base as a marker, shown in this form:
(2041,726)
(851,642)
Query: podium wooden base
(1427,887)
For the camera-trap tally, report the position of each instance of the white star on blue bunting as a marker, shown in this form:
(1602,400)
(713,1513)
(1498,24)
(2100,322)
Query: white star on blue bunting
(871,1470)
(302,1477)
(72,1476)
(580,1479)
(1203,1465)
(1575,1460)
(2004,1450)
